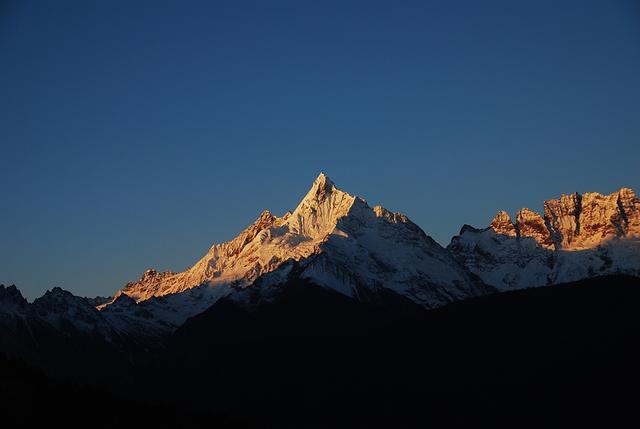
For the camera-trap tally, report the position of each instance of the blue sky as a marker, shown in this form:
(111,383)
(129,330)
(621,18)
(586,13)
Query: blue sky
(136,134)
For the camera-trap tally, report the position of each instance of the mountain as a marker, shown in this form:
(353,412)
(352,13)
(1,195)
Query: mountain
(331,239)
(332,253)
(339,314)
(65,335)
(579,236)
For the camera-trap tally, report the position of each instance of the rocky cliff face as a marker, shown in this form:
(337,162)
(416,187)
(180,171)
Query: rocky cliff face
(584,221)
(502,224)
(579,236)
(531,224)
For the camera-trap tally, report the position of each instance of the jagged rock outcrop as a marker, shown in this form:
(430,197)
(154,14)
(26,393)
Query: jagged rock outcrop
(579,236)
(584,221)
(149,285)
(502,224)
(11,300)
(531,224)
(563,217)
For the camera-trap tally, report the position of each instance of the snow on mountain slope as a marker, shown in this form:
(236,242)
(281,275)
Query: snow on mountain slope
(64,312)
(57,307)
(337,241)
(503,261)
(259,249)
(374,248)
(334,239)
(580,236)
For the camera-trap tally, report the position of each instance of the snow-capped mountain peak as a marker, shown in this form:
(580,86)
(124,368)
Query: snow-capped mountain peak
(335,239)
(319,211)
(260,248)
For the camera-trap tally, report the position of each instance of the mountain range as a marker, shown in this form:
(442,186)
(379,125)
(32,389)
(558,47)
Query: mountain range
(338,242)
(340,301)
(578,237)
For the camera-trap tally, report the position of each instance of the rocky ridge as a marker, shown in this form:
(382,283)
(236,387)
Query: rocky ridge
(579,236)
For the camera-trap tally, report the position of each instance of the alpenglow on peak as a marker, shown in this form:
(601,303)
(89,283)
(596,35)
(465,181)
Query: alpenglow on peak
(578,236)
(332,239)
(262,247)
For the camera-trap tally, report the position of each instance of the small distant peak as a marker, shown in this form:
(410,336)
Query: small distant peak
(123,299)
(392,217)
(11,293)
(570,199)
(266,214)
(501,217)
(627,193)
(525,214)
(150,273)
(56,293)
(323,180)
(11,288)
(99,301)
(468,228)
(265,220)
(380,211)
(502,224)
(322,185)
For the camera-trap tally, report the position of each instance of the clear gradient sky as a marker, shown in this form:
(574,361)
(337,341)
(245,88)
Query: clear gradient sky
(135,134)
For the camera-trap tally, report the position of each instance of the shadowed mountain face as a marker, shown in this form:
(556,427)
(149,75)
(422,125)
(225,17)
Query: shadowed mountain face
(314,358)
(563,355)
(31,399)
